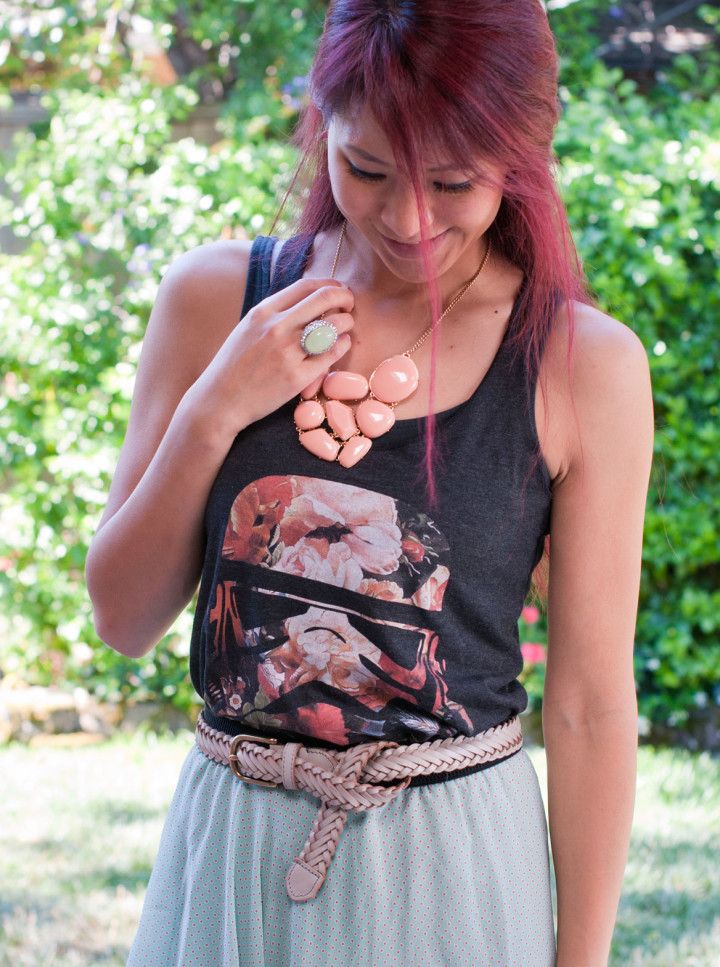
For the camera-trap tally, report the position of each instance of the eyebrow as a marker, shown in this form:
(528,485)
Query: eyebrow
(378,161)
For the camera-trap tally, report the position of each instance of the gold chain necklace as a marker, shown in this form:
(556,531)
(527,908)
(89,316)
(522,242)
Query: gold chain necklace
(350,431)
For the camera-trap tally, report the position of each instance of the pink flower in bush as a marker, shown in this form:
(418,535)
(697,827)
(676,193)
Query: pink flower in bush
(533,653)
(530,614)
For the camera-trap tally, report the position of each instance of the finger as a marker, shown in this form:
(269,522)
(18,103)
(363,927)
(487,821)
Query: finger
(342,346)
(327,299)
(291,296)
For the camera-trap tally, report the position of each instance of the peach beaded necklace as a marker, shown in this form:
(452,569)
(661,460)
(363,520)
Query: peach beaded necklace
(352,430)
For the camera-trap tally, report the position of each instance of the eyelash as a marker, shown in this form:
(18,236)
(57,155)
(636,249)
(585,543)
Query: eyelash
(375,176)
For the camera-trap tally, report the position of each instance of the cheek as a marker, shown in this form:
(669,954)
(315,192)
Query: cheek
(495,202)
(338,180)
(486,206)
(348,193)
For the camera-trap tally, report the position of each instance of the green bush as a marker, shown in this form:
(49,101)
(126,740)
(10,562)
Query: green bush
(641,178)
(106,200)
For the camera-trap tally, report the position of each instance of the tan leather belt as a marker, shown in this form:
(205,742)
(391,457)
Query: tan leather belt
(345,779)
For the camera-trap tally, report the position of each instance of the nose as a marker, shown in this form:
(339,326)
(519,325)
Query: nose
(400,213)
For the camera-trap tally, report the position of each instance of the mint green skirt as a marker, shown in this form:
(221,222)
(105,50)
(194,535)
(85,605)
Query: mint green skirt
(449,874)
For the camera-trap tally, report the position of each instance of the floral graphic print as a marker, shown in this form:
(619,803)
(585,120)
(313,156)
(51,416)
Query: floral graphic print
(340,535)
(304,654)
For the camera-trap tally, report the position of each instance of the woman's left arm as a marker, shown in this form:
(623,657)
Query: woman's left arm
(599,413)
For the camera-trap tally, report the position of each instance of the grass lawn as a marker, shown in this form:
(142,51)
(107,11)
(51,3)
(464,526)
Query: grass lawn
(79,829)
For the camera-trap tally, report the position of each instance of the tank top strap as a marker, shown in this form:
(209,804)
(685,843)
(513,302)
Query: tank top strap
(257,286)
(292,259)
(264,280)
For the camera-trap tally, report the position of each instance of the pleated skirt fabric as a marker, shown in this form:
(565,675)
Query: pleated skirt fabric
(449,874)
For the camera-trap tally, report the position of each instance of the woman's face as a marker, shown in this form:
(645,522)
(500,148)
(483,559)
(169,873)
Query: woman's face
(380,203)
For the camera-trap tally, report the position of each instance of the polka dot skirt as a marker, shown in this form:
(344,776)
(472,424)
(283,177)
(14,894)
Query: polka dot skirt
(448,875)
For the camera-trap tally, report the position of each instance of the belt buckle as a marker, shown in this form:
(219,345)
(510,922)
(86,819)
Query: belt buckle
(234,759)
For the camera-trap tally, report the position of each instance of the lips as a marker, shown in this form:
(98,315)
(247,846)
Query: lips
(405,250)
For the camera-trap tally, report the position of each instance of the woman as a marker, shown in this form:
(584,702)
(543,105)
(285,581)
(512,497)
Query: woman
(363,561)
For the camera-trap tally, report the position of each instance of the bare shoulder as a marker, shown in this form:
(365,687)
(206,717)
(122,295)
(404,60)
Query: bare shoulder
(210,278)
(198,304)
(597,347)
(220,261)
(597,386)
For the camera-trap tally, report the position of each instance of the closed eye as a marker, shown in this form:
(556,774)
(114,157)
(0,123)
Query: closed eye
(456,188)
(440,186)
(364,175)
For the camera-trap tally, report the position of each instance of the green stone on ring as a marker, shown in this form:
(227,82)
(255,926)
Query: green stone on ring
(318,336)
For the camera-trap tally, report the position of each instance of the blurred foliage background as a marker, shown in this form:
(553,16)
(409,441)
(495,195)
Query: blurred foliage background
(115,180)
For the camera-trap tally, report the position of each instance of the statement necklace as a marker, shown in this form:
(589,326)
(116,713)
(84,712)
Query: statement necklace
(352,428)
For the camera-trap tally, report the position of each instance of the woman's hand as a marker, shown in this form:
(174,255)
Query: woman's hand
(261,365)
(202,377)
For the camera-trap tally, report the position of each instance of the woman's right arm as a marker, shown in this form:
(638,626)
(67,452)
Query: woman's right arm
(202,378)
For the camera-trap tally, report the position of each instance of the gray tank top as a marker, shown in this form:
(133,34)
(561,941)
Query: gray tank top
(335,604)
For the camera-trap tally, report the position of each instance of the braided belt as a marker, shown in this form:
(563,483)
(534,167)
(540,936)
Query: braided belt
(345,779)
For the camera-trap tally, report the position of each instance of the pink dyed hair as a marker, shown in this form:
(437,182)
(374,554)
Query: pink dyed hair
(473,81)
